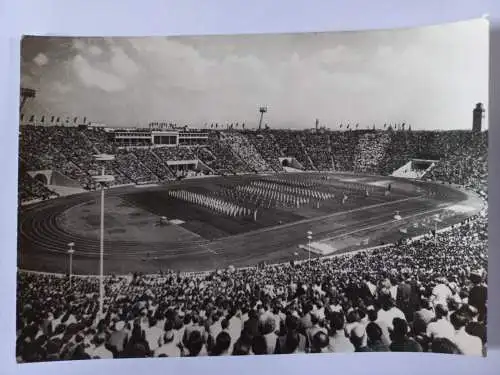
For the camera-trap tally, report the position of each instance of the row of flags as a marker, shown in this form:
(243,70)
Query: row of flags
(67,120)
(53,119)
(213,125)
(397,126)
(227,126)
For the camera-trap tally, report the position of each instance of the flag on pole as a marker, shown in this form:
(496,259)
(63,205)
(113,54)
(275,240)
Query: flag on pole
(42,119)
(52,119)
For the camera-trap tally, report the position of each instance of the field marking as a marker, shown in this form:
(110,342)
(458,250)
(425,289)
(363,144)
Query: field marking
(319,218)
(382,224)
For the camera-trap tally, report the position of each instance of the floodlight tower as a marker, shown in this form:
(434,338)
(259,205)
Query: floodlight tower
(262,110)
(103,180)
(24,96)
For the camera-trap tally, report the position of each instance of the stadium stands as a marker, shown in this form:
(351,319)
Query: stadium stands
(462,155)
(381,300)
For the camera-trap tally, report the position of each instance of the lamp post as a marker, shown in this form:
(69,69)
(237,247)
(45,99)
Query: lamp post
(309,238)
(71,251)
(102,179)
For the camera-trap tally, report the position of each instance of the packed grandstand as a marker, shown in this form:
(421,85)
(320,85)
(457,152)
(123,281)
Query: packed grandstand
(461,155)
(427,295)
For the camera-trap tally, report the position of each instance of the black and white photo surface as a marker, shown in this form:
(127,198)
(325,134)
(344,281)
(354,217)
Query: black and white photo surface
(253,194)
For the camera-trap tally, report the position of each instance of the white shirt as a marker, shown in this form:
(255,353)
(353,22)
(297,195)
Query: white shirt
(394,291)
(468,344)
(388,316)
(441,293)
(100,352)
(170,350)
(153,336)
(441,329)
(215,329)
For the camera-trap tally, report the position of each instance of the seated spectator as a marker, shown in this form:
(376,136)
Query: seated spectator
(169,348)
(358,339)
(222,344)
(320,343)
(444,346)
(441,326)
(338,340)
(292,341)
(98,349)
(195,346)
(467,344)
(400,340)
(374,333)
(259,345)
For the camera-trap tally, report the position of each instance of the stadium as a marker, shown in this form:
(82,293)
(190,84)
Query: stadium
(213,239)
(345,210)
(240,198)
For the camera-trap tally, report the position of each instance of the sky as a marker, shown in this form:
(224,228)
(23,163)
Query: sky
(429,77)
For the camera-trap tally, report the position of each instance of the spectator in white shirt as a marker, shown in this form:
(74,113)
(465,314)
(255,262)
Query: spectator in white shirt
(468,344)
(98,350)
(440,327)
(154,334)
(388,312)
(169,347)
(339,342)
(441,293)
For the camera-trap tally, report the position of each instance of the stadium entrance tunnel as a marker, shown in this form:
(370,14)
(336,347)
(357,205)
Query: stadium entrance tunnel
(42,176)
(290,162)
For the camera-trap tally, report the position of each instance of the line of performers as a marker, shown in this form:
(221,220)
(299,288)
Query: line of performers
(292,190)
(215,204)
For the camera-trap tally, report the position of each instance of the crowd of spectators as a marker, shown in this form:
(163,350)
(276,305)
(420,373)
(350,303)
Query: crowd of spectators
(131,166)
(425,295)
(370,151)
(290,144)
(243,148)
(429,295)
(319,150)
(155,161)
(31,189)
(266,145)
(464,161)
(461,155)
(221,157)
